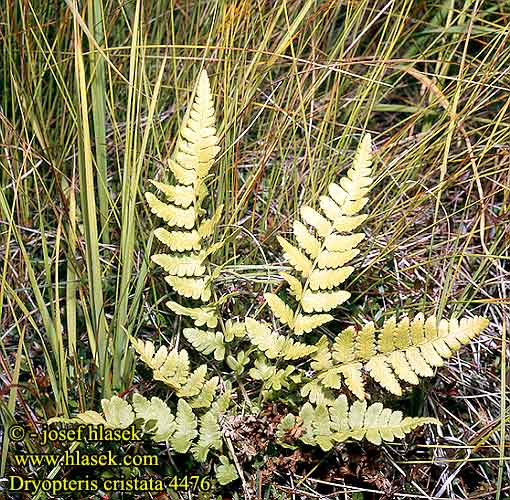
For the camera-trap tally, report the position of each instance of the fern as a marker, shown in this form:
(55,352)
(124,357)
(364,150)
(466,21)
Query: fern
(312,374)
(209,436)
(324,247)
(186,427)
(325,425)
(187,261)
(400,351)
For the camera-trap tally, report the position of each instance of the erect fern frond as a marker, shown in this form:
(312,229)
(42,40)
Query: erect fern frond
(325,425)
(325,243)
(186,263)
(399,351)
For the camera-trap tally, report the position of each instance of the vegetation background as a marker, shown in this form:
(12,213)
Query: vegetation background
(91,97)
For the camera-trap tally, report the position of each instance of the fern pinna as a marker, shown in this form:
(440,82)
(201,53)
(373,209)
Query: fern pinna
(318,373)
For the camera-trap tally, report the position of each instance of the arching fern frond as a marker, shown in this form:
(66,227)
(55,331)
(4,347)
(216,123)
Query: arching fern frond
(326,425)
(399,351)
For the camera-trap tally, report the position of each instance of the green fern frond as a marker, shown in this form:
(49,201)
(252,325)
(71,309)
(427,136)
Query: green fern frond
(328,424)
(156,416)
(399,351)
(186,427)
(206,341)
(209,436)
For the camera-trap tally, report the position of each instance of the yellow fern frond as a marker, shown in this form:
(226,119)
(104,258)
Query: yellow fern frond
(323,301)
(194,155)
(404,350)
(305,323)
(181,265)
(280,309)
(195,288)
(179,241)
(172,215)
(324,248)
